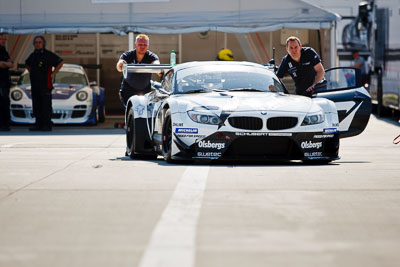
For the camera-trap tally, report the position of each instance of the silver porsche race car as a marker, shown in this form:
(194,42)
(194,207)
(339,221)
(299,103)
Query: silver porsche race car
(75,100)
(242,111)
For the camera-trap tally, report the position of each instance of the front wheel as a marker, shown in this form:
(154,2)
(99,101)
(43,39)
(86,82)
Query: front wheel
(100,114)
(167,137)
(130,136)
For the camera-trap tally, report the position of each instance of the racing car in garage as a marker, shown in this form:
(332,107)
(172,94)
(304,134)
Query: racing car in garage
(75,100)
(241,111)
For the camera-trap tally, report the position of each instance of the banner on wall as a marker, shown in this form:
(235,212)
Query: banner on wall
(75,45)
(125,1)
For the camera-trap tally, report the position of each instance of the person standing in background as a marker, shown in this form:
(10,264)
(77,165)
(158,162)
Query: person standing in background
(360,63)
(40,65)
(5,83)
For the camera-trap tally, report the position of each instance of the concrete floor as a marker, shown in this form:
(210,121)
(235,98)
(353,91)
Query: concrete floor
(71,198)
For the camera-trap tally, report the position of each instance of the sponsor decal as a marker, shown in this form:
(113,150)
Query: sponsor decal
(187,130)
(209,154)
(321,136)
(280,134)
(190,136)
(330,130)
(263,134)
(251,134)
(310,144)
(139,109)
(208,144)
(313,154)
(396,140)
(177,124)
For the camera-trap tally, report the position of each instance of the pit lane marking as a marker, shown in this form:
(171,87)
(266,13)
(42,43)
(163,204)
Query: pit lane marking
(11,145)
(173,240)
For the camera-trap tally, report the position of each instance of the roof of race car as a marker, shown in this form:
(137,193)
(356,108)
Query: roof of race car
(72,68)
(68,68)
(205,63)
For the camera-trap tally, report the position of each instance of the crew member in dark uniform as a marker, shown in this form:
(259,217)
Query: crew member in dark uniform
(5,83)
(136,83)
(40,65)
(303,65)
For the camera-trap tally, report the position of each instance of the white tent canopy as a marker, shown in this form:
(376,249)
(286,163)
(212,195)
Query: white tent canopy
(159,17)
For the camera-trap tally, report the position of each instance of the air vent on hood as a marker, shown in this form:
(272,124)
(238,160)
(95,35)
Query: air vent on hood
(246,123)
(281,123)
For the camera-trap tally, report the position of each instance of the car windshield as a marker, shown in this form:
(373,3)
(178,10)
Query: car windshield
(226,78)
(62,77)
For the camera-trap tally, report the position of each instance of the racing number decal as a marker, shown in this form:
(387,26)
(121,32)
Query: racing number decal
(350,108)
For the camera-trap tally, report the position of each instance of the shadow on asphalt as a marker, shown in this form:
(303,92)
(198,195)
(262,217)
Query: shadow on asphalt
(231,164)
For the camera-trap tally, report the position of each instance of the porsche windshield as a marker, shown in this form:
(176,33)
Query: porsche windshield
(226,78)
(62,77)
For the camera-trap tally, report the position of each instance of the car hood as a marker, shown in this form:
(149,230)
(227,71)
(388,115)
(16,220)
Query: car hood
(60,91)
(244,101)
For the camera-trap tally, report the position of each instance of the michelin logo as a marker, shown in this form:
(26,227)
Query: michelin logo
(187,130)
(330,130)
(310,144)
(208,144)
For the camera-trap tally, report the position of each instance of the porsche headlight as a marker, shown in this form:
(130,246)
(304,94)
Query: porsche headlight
(313,118)
(16,95)
(204,117)
(82,95)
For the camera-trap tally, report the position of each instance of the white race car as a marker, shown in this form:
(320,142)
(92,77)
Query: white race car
(241,111)
(75,100)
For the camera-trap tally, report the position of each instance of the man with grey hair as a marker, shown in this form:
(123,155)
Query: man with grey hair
(303,65)
(136,83)
(5,83)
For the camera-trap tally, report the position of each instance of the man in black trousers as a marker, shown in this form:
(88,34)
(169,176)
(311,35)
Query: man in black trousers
(5,83)
(40,65)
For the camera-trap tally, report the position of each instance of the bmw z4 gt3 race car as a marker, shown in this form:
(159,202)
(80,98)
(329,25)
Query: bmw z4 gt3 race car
(75,100)
(242,111)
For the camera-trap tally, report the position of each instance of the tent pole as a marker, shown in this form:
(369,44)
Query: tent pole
(180,47)
(131,37)
(98,57)
(52,42)
(333,45)
(225,40)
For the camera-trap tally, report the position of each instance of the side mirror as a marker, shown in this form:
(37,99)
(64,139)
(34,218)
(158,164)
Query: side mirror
(93,83)
(158,87)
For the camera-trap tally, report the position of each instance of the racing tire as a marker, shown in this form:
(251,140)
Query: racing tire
(130,136)
(167,137)
(94,121)
(100,115)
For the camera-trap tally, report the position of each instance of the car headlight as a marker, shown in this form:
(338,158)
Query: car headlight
(16,95)
(203,117)
(82,95)
(313,118)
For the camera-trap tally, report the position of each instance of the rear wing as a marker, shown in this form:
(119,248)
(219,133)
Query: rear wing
(144,68)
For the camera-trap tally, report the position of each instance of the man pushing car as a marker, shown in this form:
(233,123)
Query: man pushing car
(303,65)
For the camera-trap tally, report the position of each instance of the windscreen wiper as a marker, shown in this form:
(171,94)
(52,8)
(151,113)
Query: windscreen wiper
(197,91)
(246,89)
